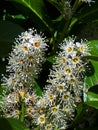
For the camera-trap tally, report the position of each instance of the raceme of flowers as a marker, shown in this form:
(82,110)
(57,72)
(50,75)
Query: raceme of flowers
(25,60)
(65,86)
(56,107)
(24,65)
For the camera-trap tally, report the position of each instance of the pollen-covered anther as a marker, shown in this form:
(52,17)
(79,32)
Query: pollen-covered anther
(28,70)
(75,60)
(65,97)
(54,110)
(19,73)
(69,49)
(51,97)
(41,119)
(32,99)
(22,93)
(25,48)
(60,88)
(36,44)
(66,108)
(13,80)
(81,49)
(72,80)
(31,58)
(27,96)
(48,127)
(68,71)
(16,113)
(63,60)
(29,111)
(22,61)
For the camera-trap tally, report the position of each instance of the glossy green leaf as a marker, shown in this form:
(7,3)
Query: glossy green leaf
(92,57)
(38,8)
(79,114)
(94,89)
(93,47)
(51,58)
(92,99)
(11,124)
(8,32)
(38,89)
(93,79)
(92,96)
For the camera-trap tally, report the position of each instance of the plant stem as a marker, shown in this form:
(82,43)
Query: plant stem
(66,29)
(22,115)
(76,5)
(63,34)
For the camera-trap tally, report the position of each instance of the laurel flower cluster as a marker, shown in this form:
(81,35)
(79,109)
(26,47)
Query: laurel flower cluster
(24,64)
(25,60)
(56,108)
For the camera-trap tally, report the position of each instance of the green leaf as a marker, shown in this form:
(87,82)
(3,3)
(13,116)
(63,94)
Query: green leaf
(51,58)
(11,124)
(92,57)
(94,89)
(8,32)
(1,89)
(93,104)
(79,115)
(93,79)
(93,47)
(92,100)
(38,89)
(38,8)
(92,96)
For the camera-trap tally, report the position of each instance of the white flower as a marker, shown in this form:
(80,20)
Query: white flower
(82,48)
(66,96)
(41,102)
(48,127)
(68,46)
(41,119)
(15,114)
(55,110)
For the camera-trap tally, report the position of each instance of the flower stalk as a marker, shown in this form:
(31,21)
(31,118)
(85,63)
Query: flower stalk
(22,112)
